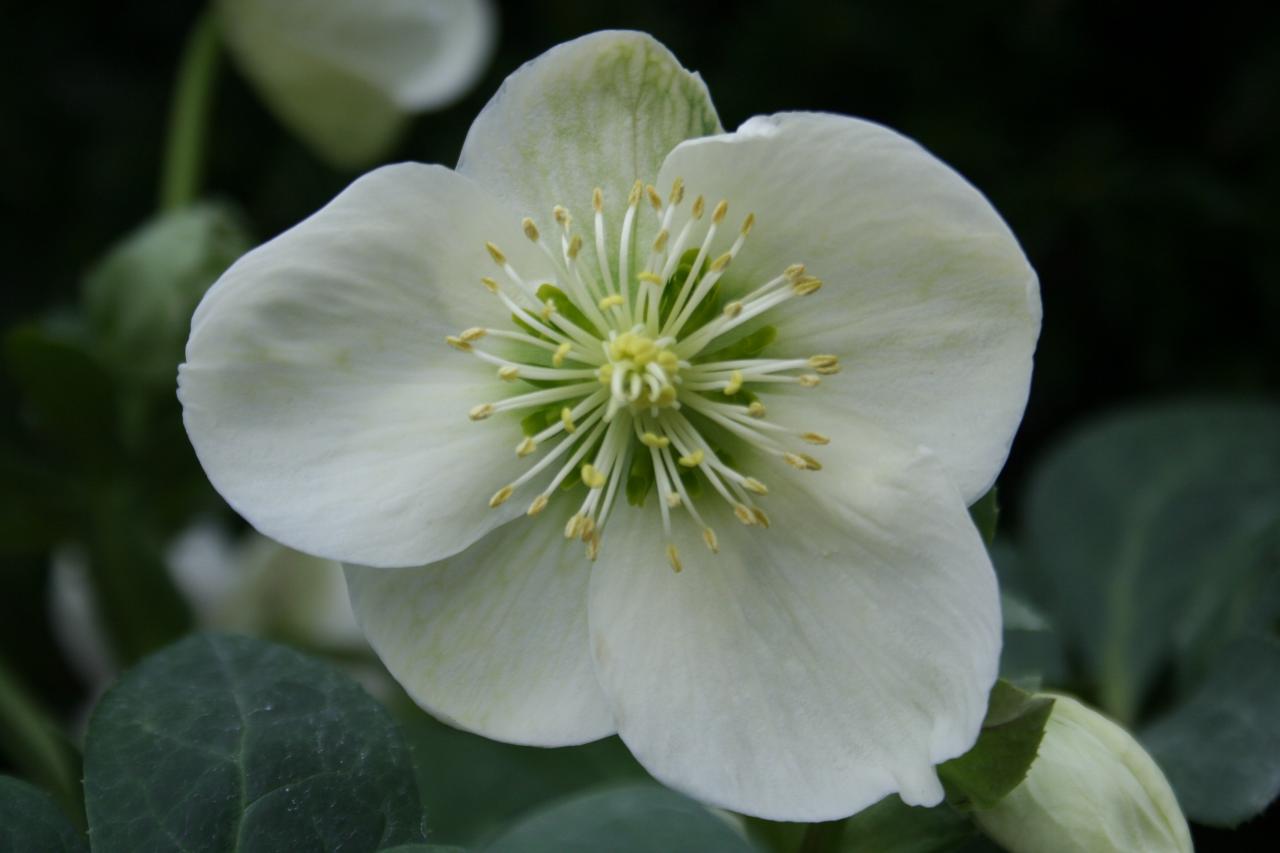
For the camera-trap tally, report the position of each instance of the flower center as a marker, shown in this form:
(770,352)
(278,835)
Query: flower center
(634,382)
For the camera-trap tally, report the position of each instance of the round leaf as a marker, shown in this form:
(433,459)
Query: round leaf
(29,820)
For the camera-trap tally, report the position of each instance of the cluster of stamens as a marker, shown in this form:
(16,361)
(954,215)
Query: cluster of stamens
(632,379)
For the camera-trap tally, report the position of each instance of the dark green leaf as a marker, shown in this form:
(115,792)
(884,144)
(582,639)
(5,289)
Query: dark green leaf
(30,821)
(140,298)
(986,514)
(1150,533)
(221,743)
(33,744)
(890,826)
(472,786)
(747,346)
(1221,749)
(424,848)
(1006,747)
(635,819)
(566,306)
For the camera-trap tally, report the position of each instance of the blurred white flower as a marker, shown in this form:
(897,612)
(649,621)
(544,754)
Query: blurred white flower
(832,626)
(345,75)
(1092,789)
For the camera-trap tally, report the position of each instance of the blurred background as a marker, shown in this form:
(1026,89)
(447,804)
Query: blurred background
(1134,148)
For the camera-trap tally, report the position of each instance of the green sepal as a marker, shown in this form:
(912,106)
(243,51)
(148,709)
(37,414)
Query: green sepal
(539,419)
(707,310)
(515,318)
(748,346)
(566,307)
(1006,747)
(985,513)
(672,287)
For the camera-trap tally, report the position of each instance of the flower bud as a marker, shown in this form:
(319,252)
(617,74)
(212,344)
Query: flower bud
(1092,789)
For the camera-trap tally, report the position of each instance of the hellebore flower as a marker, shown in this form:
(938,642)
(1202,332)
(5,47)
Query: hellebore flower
(1092,789)
(779,361)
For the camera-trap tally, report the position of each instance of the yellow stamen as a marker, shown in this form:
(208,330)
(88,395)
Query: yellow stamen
(654,198)
(692,460)
(575,246)
(508,373)
(751,484)
(500,496)
(561,351)
(673,557)
(633,197)
(458,343)
(677,191)
(650,439)
(734,385)
(674,500)
(597,199)
(806,286)
(794,271)
(808,380)
(548,308)
(561,216)
(592,477)
(756,409)
(593,547)
(530,230)
(709,536)
(760,517)
(827,364)
(610,301)
(496,254)
(538,505)
(815,438)
(743,512)
(717,215)
(699,204)
(650,277)
(721,262)
(480,412)
(747,223)
(489,284)
(660,242)
(566,418)
(475,333)
(571,527)
(527,446)
(733,309)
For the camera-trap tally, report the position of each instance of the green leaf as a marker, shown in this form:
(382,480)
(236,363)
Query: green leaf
(139,299)
(747,346)
(472,786)
(1149,535)
(891,826)
(1006,747)
(566,306)
(220,743)
(33,744)
(634,819)
(1221,749)
(424,848)
(29,821)
(985,512)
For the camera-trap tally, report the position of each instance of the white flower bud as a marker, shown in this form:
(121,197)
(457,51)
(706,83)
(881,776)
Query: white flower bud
(1092,789)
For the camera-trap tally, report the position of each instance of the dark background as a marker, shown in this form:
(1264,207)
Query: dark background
(1133,148)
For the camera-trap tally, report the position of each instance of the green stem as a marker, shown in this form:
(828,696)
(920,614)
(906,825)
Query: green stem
(189,115)
(822,837)
(36,747)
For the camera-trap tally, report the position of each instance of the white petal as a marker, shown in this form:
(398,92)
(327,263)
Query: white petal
(928,301)
(599,111)
(344,74)
(318,391)
(494,639)
(810,669)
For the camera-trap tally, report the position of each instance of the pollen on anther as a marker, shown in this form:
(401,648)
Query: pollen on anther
(489,284)
(747,223)
(508,373)
(530,229)
(597,199)
(538,505)
(633,197)
(674,500)
(591,476)
(760,517)
(561,216)
(654,198)
(806,286)
(743,512)
(751,484)
(458,343)
(650,439)
(527,446)
(699,204)
(480,412)
(733,309)
(815,438)
(557,359)
(756,409)
(496,253)
(809,380)
(691,460)
(734,385)
(566,418)
(611,301)
(575,246)
(721,262)
(500,496)
(660,242)
(826,364)
(709,536)
(677,191)
(673,557)
(717,215)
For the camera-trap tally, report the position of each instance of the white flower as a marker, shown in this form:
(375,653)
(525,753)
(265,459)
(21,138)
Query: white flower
(346,74)
(832,627)
(1092,789)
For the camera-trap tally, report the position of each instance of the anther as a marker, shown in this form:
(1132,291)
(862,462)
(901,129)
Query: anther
(673,557)
(734,385)
(592,477)
(794,271)
(496,254)
(575,246)
(586,529)
(458,343)
(480,412)
(651,278)
(810,463)
(489,284)
(611,301)
(597,199)
(756,409)
(538,505)
(500,496)
(660,242)
(527,446)
(815,438)
(733,309)
(747,223)
(548,308)
(760,517)
(561,351)
(566,418)
(709,536)
(508,373)
(743,512)
(827,364)
(654,198)
(717,215)
(809,380)
(751,484)
(677,191)
(721,262)
(571,527)
(674,500)
(561,216)
(691,460)
(699,204)
(806,286)
(530,230)
(593,547)
(801,461)
(650,439)
(633,197)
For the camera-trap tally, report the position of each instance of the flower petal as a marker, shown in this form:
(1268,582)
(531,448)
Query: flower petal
(344,75)
(494,639)
(810,669)
(599,111)
(929,302)
(318,391)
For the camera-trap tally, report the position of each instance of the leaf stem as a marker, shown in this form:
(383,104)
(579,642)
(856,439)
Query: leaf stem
(36,747)
(189,110)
